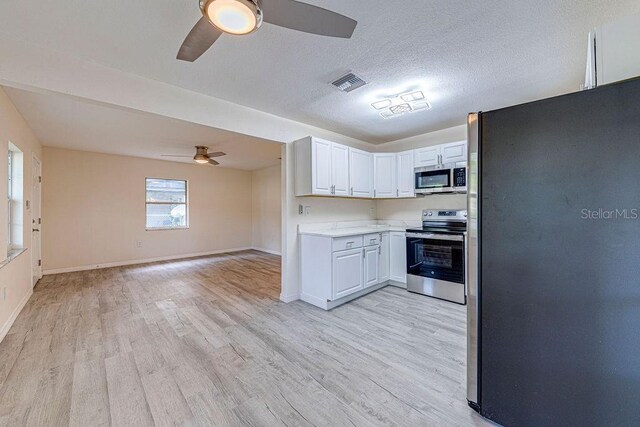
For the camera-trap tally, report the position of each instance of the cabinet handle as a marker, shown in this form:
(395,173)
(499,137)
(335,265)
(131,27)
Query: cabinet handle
(397,192)
(364,254)
(352,191)
(374,194)
(379,250)
(349,244)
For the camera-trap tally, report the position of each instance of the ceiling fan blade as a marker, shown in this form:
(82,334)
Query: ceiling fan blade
(308,18)
(216,154)
(198,41)
(173,155)
(213,162)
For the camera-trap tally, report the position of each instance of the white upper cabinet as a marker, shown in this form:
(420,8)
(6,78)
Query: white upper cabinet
(438,155)
(405,174)
(360,173)
(321,168)
(340,169)
(428,156)
(325,168)
(454,152)
(384,176)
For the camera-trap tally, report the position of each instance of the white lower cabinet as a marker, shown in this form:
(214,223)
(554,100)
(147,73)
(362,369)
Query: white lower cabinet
(336,270)
(347,272)
(385,272)
(398,257)
(371,265)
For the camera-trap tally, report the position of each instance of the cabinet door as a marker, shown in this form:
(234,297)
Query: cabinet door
(340,169)
(384,271)
(371,265)
(384,176)
(454,152)
(360,173)
(321,167)
(428,156)
(347,272)
(405,174)
(398,257)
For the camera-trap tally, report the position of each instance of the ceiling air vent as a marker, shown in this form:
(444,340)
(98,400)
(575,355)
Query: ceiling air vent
(349,83)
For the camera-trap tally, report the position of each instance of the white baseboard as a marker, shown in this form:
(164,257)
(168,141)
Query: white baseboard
(289,298)
(268,251)
(7,325)
(141,261)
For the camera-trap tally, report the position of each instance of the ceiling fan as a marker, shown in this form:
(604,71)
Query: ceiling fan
(240,17)
(202,156)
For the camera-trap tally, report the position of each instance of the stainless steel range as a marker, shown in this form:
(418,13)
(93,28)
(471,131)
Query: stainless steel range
(436,261)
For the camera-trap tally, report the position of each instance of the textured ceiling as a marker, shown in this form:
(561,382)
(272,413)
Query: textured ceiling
(466,55)
(64,122)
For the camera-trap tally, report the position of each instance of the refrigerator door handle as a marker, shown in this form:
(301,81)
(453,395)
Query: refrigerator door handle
(472,259)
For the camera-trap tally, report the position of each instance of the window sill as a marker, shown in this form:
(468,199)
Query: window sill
(13,254)
(166,229)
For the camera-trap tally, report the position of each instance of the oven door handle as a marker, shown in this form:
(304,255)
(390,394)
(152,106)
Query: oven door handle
(431,236)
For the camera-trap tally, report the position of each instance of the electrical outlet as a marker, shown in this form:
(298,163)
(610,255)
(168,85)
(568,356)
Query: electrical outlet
(307,210)
(138,243)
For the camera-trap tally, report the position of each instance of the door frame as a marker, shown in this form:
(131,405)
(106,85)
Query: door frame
(35,256)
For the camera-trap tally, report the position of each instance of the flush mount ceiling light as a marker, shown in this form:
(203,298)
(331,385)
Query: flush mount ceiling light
(233,16)
(413,96)
(202,156)
(381,105)
(399,105)
(400,109)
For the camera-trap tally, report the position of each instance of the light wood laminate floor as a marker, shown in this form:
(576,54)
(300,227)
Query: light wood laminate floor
(205,341)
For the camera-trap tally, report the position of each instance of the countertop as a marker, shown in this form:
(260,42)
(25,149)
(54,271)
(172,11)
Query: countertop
(353,231)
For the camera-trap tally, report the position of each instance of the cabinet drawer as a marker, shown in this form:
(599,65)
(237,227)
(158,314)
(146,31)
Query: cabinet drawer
(371,239)
(349,242)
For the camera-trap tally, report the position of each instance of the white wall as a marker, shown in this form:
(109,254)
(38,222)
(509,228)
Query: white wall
(267,209)
(411,209)
(15,277)
(94,210)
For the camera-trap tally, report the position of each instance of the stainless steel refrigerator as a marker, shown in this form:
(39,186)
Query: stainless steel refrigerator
(554,260)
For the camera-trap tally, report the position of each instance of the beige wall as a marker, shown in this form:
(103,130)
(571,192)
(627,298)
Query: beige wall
(15,277)
(94,211)
(267,209)
(410,209)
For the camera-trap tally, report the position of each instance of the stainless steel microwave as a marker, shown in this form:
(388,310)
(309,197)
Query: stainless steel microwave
(448,178)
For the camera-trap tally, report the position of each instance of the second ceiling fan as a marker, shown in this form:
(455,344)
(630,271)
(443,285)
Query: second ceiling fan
(240,17)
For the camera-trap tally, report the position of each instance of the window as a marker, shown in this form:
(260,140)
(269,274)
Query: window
(9,202)
(166,204)
(14,198)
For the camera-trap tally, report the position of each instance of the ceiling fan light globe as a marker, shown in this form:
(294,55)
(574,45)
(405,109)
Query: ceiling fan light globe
(201,159)
(236,17)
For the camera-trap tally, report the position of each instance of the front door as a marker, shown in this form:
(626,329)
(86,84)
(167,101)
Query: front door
(36,220)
